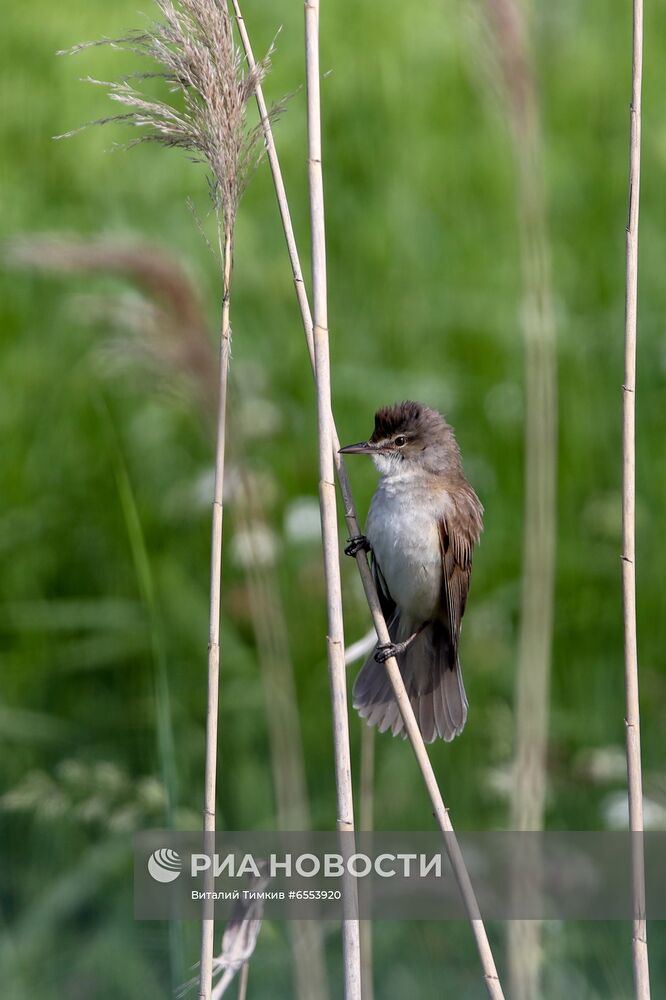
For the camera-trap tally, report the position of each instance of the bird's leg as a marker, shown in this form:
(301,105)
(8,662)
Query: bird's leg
(386,650)
(359,543)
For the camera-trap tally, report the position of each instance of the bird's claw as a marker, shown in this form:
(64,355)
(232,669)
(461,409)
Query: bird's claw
(359,543)
(386,651)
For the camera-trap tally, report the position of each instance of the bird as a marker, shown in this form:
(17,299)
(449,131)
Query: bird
(423,523)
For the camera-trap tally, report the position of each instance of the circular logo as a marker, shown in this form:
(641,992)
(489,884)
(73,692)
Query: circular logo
(164,865)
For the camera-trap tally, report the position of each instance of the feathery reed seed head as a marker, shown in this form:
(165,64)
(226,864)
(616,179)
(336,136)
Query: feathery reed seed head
(194,49)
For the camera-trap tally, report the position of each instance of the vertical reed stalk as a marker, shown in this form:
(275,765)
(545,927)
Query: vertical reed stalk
(512,53)
(242,985)
(208,925)
(367,822)
(632,722)
(532,684)
(456,859)
(327,497)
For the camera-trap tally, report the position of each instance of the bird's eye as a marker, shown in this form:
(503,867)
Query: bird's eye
(400,441)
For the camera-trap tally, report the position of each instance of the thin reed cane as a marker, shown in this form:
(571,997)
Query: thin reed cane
(210,780)
(327,498)
(632,722)
(456,859)
(280,191)
(367,823)
(242,984)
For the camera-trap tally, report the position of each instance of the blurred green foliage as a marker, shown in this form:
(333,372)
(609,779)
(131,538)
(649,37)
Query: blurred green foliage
(104,534)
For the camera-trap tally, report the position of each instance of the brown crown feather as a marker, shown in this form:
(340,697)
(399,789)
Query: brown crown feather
(408,416)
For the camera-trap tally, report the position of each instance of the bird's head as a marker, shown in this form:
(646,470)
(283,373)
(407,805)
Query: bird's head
(409,437)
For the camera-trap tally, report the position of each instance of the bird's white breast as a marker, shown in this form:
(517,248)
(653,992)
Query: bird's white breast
(402,529)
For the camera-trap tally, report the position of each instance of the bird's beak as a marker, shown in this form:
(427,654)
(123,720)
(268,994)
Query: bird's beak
(362,448)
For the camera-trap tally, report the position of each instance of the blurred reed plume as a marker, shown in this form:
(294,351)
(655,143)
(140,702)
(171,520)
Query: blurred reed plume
(509,38)
(168,324)
(170,330)
(195,54)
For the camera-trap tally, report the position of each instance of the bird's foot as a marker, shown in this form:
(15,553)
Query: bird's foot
(359,543)
(386,650)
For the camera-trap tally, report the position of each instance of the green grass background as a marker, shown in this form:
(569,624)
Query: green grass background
(105,552)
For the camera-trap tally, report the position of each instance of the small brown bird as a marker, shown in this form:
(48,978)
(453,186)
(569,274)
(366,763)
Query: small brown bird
(423,523)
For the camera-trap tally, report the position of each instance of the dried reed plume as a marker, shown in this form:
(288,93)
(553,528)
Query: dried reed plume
(491,978)
(639,946)
(194,51)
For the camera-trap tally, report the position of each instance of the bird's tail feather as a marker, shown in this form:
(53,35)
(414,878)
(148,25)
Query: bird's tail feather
(434,685)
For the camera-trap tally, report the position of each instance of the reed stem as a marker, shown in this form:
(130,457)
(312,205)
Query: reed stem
(208,924)
(327,498)
(639,946)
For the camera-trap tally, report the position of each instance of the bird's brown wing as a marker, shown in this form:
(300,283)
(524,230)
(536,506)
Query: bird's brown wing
(459,529)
